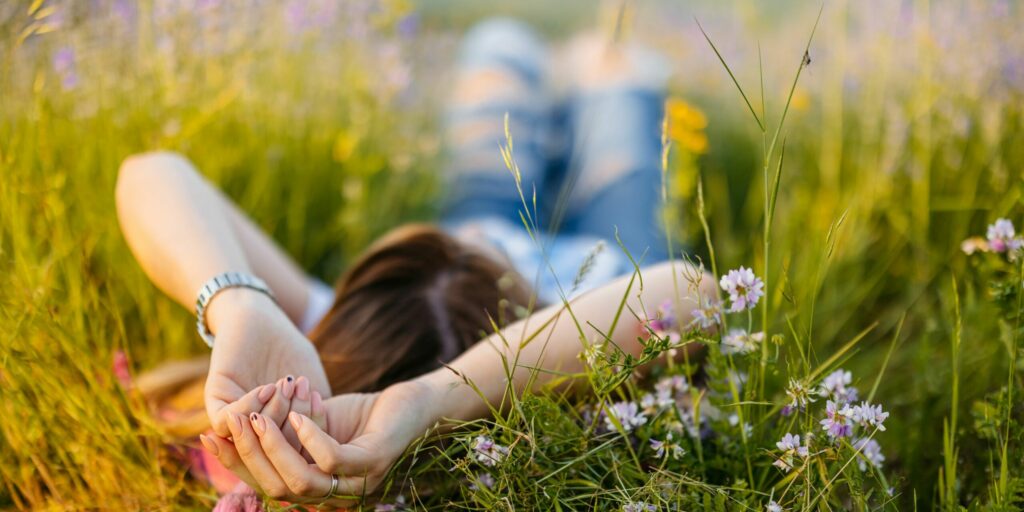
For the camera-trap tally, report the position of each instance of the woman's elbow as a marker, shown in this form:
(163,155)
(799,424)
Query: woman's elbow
(140,175)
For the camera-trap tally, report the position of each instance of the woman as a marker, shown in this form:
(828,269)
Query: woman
(421,295)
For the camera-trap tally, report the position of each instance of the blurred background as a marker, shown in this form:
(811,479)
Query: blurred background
(319,117)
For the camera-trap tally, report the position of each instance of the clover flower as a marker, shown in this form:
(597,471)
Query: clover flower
(627,414)
(488,452)
(800,395)
(743,287)
(397,506)
(871,451)
(1002,237)
(707,314)
(672,386)
(638,506)
(667,445)
(790,446)
(484,480)
(773,507)
(739,341)
(838,423)
(867,415)
(837,386)
(664,320)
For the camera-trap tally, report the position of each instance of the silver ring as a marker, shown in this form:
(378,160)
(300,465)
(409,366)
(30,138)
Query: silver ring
(334,487)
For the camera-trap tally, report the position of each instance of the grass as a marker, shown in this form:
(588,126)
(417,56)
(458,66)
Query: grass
(902,138)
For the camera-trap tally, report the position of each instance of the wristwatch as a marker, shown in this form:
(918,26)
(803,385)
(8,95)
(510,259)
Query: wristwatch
(217,284)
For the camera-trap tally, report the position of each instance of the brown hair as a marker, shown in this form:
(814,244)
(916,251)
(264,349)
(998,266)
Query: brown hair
(417,297)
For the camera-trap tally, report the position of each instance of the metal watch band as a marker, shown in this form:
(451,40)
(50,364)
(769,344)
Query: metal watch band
(217,284)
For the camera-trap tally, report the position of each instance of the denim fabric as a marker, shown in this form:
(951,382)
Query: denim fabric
(592,158)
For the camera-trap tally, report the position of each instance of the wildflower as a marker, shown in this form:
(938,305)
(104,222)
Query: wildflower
(397,506)
(661,447)
(790,446)
(664,320)
(734,421)
(773,507)
(973,245)
(672,386)
(868,415)
(64,66)
(121,367)
(1001,237)
(627,414)
(593,353)
(743,287)
(739,341)
(837,424)
(799,394)
(488,452)
(638,506)
(707,314)
(837,386)
(483,479)
(871,451)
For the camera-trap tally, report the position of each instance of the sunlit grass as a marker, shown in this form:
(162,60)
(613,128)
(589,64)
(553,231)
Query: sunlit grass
(905,135)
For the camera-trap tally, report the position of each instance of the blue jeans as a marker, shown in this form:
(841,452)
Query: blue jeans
(593,157)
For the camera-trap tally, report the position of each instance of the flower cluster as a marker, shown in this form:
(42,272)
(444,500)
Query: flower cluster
(707,314)
(638,506)
(871,452)
(667,445)
(837,387)
(791,448)
(743,287)
(800,397)
(627,414)
(488,452)
(739,341)
(1000,238)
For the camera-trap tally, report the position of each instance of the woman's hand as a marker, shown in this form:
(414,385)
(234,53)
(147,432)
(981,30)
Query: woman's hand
(365,434)
(257,343)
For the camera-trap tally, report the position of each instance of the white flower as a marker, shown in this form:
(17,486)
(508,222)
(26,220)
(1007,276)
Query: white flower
(744,288)
(868,415)
(627,414)
(739,342)
(488,452)
(871,451)
(773,507)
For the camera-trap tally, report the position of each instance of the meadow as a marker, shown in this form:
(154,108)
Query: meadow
(902,138)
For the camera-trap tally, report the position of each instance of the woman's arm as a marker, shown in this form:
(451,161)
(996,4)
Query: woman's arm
(368,432)
(183,232)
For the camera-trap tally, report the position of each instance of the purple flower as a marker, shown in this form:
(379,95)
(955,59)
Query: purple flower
(739,341)
(627,414)
(871,451)
(837,386)
(1002,237)
(488,452)
(409,25)
(664,320)
(484,480)
(638,506)
(661,447)
(743,287)
(838,423)
(708,314)
(868,415)
(64,66)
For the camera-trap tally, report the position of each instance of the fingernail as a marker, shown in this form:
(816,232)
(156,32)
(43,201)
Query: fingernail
(289,387)
(209,444)
(295,419)
(318,404)
(235,425)
(258,423)
(302,388)
(265,393)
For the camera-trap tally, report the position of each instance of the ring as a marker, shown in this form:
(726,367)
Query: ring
(334,487)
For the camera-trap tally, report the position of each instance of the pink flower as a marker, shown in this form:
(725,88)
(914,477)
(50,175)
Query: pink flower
(743,287)
(121,368)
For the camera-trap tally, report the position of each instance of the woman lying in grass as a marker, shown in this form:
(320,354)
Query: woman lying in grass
(372,379)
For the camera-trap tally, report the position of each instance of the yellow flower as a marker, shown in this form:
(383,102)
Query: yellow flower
(686,125)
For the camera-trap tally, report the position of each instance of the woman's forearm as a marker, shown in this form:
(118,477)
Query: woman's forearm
(183,232)
(555,345)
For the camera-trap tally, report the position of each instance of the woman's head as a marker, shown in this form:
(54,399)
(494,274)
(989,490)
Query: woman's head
(417,297)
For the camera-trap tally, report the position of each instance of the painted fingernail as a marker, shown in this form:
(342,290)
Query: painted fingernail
(258,423)
(302,388)
(289,387)
(318,404)
(295,419)
(209,444)
(265,393)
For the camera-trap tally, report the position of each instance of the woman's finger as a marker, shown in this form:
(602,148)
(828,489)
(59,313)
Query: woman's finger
(301,478)
(347,460)
(301,403)
(251,453)
(318,413)
(228,457)
(253,401)
(278,406)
